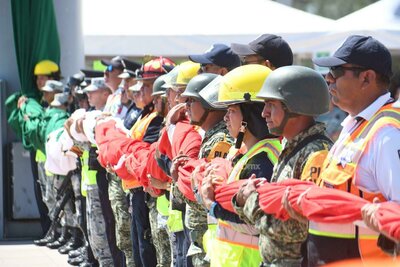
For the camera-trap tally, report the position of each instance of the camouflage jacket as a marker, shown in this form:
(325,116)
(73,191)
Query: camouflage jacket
(281,241)
(217,134)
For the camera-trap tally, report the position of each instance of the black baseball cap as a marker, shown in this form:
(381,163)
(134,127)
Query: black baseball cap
(269,46)
(364,51)
(130,68)
(218,54)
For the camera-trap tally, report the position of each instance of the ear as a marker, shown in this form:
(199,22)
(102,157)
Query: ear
(367,77)
(223,71)
(269,64)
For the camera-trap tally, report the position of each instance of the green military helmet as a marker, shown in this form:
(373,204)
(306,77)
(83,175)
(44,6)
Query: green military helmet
(196,84)
(170,78)
(158,88)
(303,90)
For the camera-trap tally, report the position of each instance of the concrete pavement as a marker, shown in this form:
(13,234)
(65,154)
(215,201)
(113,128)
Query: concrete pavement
(26,254)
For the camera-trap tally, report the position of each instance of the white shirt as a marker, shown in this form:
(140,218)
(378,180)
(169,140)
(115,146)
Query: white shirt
(378,170)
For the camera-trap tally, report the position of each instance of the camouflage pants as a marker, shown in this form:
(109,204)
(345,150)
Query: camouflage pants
(158,224)
(76,187)
(120,207)
(68,218)
(47,186)
(96,228)
(196,222)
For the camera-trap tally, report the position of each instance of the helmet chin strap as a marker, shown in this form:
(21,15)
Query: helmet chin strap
(202,119)
(279,129)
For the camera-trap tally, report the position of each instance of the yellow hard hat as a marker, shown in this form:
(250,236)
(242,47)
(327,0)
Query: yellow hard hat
(186,71)
(242,84)
(46,67)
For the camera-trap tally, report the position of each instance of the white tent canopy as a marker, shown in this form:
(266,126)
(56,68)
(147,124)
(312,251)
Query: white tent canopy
(182,27)
(380,20)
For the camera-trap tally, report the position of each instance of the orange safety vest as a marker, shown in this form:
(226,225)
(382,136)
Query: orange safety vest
(339,170)
(236,242)
(138,131)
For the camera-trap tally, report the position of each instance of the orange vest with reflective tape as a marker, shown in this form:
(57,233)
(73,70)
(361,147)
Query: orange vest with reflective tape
(339,171)
(138,131)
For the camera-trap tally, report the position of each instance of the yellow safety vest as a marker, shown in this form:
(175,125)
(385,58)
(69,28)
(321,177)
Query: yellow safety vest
(231,247)
(88,176)
(339,173)
(174,222)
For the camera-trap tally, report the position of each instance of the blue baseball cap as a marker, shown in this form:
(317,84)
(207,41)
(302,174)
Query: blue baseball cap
(218,54)
(364,51)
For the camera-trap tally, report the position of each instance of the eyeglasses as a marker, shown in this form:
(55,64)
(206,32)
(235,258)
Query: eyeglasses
(109,68)
(339,71)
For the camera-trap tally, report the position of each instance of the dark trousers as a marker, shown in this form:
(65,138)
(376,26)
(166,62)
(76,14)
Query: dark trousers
(102,183)
(43,210)
(144,252)
(323,250)
(182,243)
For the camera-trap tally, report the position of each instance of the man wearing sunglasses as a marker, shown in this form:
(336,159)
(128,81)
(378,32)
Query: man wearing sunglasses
(114,68)
(365,160)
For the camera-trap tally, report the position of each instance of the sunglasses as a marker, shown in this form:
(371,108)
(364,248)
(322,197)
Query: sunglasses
(339,71)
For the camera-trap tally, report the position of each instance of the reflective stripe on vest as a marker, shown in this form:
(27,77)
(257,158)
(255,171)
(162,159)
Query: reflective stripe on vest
(226,233)
(339,170)
(270,146)
(138,131)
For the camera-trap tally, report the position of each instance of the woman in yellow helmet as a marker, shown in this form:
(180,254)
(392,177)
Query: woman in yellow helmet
(236,243)
(46,70)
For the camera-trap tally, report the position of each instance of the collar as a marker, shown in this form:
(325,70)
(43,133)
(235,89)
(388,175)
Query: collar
(316,128)
(368,112)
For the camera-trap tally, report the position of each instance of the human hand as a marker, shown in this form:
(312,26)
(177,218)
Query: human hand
(178,161)
(368,214)
(21,101)
(288,207)
(247,189)
(157,183)
(175,114)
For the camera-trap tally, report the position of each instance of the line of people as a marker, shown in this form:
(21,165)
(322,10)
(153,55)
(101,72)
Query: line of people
(218,160)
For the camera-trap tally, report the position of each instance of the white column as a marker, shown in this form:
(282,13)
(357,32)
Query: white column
(69,24)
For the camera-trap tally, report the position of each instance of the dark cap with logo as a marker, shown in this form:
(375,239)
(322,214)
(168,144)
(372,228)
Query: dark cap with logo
(364,51)
(218,54)
(269,46)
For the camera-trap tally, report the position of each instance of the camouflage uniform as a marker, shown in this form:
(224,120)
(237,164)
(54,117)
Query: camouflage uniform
(96,228)
(68,218)
(196,214)
(49,193)
(76,187)
(159,233)
(280,241)
(120,207)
